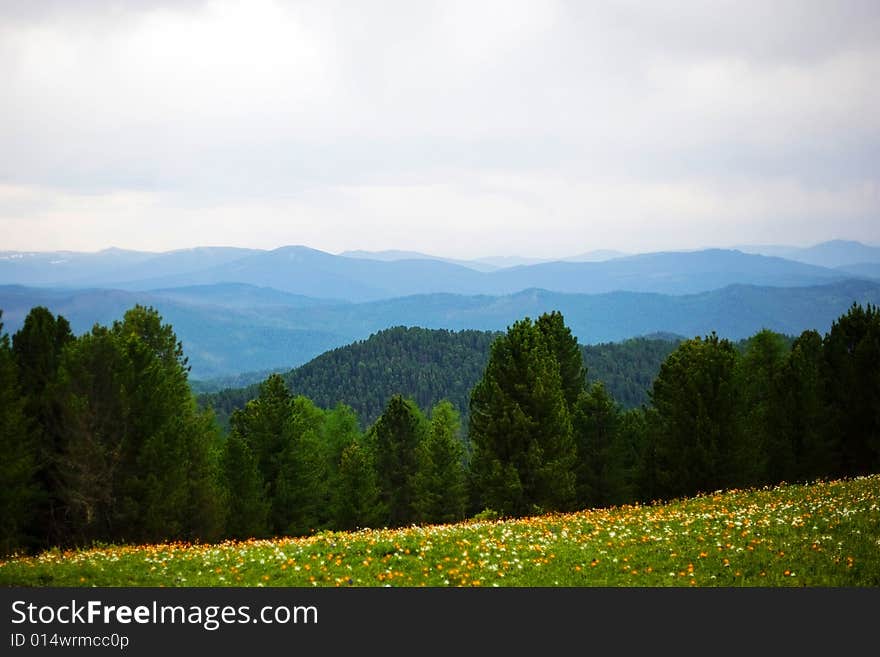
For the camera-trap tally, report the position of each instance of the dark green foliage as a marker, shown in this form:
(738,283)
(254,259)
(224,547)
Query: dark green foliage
(595,422)
(37,348)
(97,449)
(628,368)
(300,497)
(696,397)
(430,365)
(852,387)
(564,347)
(760,380)
(801,414)
(247,506)
(261,425)
(420,364)
(441,481)
(356,502)
(520,429)
(397,435)
(102,440)
(18,488)
(140,460)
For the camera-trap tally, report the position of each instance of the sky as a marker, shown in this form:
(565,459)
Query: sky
(459,128)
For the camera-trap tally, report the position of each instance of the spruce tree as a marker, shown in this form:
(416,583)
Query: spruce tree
(697,445)
(851,373)
(356,499)
(18,488)
(520,429)
(397,435)
(595,424)
(37,348)
(299,506)
(441,482)
(247,506)
(770,457)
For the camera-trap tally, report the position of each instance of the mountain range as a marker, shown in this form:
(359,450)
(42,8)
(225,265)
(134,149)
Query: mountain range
(308,272)
(227,329)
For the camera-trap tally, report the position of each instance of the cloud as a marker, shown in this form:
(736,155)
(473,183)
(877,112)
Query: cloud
(384,119)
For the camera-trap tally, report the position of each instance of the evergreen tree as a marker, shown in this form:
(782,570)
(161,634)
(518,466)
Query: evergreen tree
(851,374)
(91,391)
(564,347)
(397,435)
(261,424)
(356,498)
(520,429)
(769,454)
(595,423)
(18,489)
(141,461)
(441,482)
(697,442)
(37,347)
(248,508)
(301,488)
(802,417)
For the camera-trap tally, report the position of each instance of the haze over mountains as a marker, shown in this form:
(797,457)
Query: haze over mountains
(304,271)
(239,310)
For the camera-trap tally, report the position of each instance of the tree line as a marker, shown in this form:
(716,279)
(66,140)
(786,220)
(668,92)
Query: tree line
(103,441)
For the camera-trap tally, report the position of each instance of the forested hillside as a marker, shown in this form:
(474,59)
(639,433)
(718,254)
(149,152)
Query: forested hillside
(428,365)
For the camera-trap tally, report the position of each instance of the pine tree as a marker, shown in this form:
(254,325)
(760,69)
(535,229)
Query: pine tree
(37,348)
(356,499)
(262,425)
(801,413)
(595,423)
(18,488)
(696,442)
(851,373)
(565,348)
(769,455)
(301,486)
(247,506)
(397,435)
(520,429)
(441,482)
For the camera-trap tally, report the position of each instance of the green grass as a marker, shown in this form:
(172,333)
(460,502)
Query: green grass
(823,534)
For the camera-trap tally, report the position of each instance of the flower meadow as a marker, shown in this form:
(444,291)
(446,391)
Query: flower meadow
(821,534)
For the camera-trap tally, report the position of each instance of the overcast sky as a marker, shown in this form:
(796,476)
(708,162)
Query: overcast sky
(459,128)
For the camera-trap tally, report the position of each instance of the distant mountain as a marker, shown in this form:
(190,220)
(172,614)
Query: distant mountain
(218,340)
(667,273)
(393,256)
(308,272)
(838,253)
(599,255)
(222,337)
(238,295)
(502,262)
(110,267)
(61,267)
(172,263)
(833,254)
(863,269)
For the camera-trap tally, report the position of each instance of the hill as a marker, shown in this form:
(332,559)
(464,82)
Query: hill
(818,535)
(430,365)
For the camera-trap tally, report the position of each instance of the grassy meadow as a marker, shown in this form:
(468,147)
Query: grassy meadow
(822,534)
